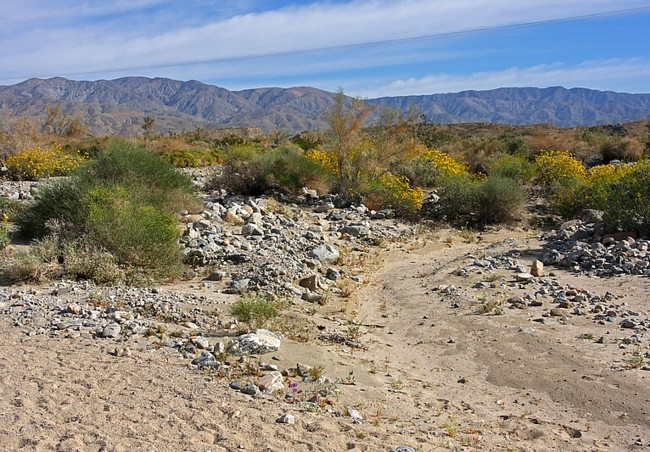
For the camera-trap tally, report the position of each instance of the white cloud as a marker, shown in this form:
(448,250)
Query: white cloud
(590,74)
(91,40)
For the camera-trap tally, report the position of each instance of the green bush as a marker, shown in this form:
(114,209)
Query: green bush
(124,204)
(59,201)
(516,167)
(146,175)
(469,200)
(628,202)
(255,310)
(289,169)
(254,171)
(499,200)
(137,233)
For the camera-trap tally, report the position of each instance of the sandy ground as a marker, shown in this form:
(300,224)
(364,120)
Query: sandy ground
(435,375)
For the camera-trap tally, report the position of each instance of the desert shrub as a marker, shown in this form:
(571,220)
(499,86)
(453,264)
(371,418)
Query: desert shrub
(512,166)
(242,172)
(619,148)
(592,192)
(39,162)
(627,205)
(52,257)
(326,160)
(290,169)
(445,164)
(558,168)
(60,201)
(254,171)
(499,200)
(395,192)
(182,154)
(428,166)
(143,173)
(34,265)
(136,232)
(9,208)
(81,259)
(469,200)
(255,310)
(123,203)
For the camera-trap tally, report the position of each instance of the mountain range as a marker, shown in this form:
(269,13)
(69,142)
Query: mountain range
(119,106)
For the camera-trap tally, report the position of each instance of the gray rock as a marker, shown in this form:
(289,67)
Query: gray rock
(591,216)
(239,285)
(311,297)
(259,342)
(216,276)
(251,229)
(524,277)
(403,449)
(112,330)
(202,343)
(206,359)
(250,389)
(271,382)
(629,323)
(324,253)
(355,229)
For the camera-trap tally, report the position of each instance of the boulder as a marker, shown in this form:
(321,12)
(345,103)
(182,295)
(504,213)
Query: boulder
(324,253)
(257,343)
(537,269)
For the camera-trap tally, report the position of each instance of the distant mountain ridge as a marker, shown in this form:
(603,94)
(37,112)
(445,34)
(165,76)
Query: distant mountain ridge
(118,106)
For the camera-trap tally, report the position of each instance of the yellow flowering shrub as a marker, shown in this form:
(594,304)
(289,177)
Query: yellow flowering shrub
(557,167)
(445,164)
(325,159)
(393,191)
(39,162)
(591,191)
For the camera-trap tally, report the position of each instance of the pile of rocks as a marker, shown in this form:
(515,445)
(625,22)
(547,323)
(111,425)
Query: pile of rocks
(531,287)
(17,190)
(581,246)
(264,246)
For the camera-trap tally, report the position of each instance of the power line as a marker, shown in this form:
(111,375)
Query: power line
(621,12)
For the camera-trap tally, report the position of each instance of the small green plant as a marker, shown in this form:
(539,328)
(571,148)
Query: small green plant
(255,310)
(586,336)
(396,384)
(635,361)
(450,429)
(316,372)
(492,306)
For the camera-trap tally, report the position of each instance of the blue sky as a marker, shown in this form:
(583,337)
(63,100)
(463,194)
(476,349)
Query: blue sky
(370,48)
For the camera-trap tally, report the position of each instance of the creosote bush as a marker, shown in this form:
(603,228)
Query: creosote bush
(472,200)
(254,170)
(123,203)
(628,202)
